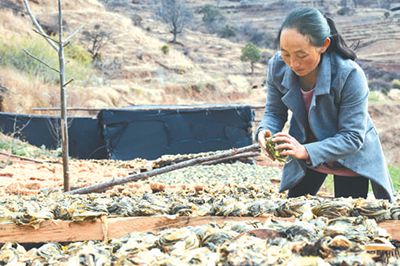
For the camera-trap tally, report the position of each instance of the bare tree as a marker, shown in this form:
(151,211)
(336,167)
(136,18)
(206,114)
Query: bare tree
(97,39)
(176,15)
(58,46)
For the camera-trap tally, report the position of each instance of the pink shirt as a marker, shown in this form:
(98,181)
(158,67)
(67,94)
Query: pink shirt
(333,168)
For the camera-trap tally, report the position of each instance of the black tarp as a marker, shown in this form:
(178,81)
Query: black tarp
(141,131)
(150,132)
(85,135)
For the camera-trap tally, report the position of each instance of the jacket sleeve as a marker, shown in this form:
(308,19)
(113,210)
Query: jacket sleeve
(352,122)
(276,112)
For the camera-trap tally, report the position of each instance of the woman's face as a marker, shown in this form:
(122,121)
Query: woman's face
(298,52)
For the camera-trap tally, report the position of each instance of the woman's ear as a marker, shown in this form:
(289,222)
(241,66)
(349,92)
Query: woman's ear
(326,44)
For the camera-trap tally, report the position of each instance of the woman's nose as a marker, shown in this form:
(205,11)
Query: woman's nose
(294,63)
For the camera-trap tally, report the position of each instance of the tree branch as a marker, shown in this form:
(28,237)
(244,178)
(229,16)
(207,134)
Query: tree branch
(68,82)
(41,61)
(37,25)
(45,36)
(143,176)
(73,34)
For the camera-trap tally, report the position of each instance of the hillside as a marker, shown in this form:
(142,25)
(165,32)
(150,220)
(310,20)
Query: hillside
(202,67)
(134,70)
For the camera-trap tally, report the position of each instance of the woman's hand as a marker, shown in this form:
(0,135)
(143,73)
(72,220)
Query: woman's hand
(290,146)
(262,135)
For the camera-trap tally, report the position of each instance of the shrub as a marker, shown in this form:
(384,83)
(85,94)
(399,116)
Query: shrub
(227,32)
(12,54)
(79,54)
(212,17)
(345,11)
(165,49)
(396,84)
(137,20)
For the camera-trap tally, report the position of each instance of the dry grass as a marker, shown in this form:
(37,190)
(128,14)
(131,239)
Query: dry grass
(147,75)
(39,94)
(10,24)
(25,92)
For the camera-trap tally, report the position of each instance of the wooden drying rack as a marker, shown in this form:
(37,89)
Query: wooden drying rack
(105,228)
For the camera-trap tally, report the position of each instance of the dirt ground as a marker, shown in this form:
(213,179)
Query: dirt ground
(385,119)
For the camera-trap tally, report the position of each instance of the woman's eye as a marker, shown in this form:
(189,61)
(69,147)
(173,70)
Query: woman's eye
(302,56)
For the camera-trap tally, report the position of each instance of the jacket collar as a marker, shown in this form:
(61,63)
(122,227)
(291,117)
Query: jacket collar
(290,80)
(323,85)
(293,98)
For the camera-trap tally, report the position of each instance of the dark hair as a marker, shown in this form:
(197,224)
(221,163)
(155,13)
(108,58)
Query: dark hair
(311,23)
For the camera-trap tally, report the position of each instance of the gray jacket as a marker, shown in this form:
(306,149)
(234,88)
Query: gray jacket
(338,117)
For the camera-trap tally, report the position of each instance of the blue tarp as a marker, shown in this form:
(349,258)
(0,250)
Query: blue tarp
(141,131)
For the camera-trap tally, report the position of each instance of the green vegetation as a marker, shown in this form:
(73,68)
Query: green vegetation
(78,54)
(211,15)
(396,84)
(20,148)
(78,59)
(395,173)
(251,53)
(165,49)
(328,184)
(227,32)
(375,97)
(393,170)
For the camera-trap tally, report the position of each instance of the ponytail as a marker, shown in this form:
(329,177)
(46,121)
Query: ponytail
(310,22)
(338,44)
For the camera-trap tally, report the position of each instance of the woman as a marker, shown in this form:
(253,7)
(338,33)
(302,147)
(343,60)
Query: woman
(315,77)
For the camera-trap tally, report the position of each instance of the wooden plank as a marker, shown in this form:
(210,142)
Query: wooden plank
(379,247)
(392,227)
(68,231)
(107,228)
(52,231)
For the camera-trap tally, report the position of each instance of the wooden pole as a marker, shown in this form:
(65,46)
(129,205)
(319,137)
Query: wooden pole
(143,176)
(63,97)
(59,47)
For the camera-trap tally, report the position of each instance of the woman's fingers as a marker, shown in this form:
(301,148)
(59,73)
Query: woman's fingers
(288,145)
(262,135)
(281,134)
(284,146)
(285,139)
